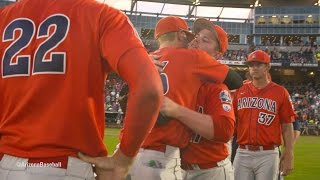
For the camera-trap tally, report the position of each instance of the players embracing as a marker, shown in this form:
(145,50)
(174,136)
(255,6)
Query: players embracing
(212,122)
(160,156)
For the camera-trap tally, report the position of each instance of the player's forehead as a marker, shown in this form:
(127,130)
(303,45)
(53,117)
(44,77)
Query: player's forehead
(207,34)
(255,63)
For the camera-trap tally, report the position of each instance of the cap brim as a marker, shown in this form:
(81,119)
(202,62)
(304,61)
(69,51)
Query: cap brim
(201,24)
(190,35)
(248,62)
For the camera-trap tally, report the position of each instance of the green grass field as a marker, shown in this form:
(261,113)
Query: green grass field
(307,155)
(111,139)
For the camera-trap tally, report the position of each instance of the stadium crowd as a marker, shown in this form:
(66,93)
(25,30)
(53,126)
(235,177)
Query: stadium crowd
(305,98)
(297,42)
(306,101)
(112,89)
(278,55)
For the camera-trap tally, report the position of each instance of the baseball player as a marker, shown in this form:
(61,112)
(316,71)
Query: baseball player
(206,155)
(205,43)
(54,62)
(264,113)
(160,156)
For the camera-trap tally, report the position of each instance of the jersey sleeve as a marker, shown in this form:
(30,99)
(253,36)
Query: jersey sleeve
(209,69)
(286,111)
(219,106)
(117,36)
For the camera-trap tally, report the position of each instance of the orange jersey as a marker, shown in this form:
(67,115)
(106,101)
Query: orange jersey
(54,59)
(183,74)
(214,100)
(260,112)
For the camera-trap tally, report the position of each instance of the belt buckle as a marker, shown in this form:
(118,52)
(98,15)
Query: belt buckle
(253,148)
(190,166)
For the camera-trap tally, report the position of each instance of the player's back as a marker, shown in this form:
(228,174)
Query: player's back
(52,77)
(179,79)
(183,74)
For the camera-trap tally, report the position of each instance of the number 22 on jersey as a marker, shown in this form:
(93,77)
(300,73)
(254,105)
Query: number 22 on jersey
(14,64)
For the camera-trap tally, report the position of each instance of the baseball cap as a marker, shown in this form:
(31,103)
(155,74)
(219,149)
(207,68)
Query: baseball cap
(172,24)
(258,56)
(220,34)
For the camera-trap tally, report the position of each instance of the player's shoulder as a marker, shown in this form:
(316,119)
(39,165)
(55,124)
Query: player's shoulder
(244,88)
(278,86)
(246,84)
(93,7)
(181,50)
(196,53)
(200,53)
(213,88)
(179,54)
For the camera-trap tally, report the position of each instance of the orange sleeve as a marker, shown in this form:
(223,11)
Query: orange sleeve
(117,36)
(219,106)
(209,69)
(286,111)
(144,99)
(124,52)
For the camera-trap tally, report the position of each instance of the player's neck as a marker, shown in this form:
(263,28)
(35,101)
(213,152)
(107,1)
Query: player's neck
(173,44)
(260,83)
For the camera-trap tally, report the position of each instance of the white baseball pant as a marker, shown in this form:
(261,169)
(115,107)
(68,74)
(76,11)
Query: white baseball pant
(156,165)
(256,165)
(224,171)
(15,168)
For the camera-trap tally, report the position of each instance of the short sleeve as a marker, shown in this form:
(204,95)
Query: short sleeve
(219,106)
(286,110)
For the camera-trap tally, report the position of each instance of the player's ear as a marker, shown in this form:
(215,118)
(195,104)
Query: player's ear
(182,35)
(269,66)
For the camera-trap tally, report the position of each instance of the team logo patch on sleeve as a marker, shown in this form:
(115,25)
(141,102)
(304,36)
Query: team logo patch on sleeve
(225,97)
(226,107)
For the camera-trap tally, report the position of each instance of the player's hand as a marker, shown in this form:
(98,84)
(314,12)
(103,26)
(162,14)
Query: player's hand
(169,108)
(158,64)
(104,166)
(286,162)
(115,167)
(122,164)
